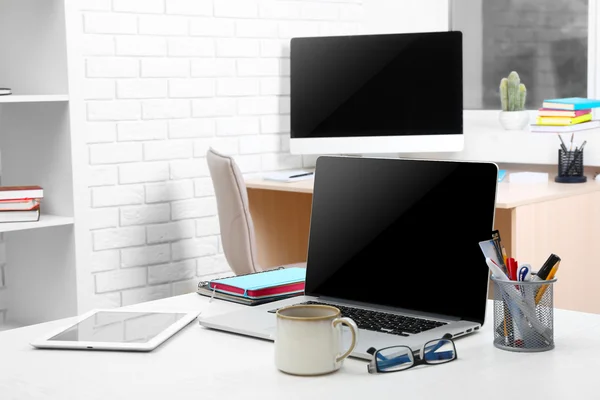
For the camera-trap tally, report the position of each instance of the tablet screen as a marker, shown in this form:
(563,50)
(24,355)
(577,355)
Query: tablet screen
(119,327)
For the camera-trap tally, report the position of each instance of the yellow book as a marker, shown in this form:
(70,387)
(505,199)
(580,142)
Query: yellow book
(563,120)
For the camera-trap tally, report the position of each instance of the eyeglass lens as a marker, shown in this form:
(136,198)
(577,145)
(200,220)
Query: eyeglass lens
(394,358)
(438,351)
(398,358)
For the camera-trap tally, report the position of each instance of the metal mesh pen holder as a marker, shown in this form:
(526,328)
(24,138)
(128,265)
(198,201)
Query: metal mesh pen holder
(570,167)
(524,315)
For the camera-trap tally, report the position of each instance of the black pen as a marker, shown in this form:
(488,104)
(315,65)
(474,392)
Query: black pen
(562,143)
(299,175)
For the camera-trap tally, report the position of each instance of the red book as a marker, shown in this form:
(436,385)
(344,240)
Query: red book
(259,293)
(19,205)
(275,282)
(552,112)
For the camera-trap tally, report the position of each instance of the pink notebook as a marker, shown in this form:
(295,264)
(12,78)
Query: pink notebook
(552,112)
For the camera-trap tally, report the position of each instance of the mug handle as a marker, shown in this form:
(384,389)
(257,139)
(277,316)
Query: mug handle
(353,328)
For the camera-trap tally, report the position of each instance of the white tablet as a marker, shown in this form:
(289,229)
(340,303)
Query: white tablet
(117,330)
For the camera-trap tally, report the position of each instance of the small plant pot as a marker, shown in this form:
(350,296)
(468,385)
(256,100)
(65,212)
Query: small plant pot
(514,120)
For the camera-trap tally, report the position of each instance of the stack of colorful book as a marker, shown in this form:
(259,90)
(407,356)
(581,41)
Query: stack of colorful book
(20,203)
(566,115)
(257,288)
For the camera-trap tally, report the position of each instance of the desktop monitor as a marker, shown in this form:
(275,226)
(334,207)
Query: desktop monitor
(383,93)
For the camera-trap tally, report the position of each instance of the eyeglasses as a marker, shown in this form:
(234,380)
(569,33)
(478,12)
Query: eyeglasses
(400,358)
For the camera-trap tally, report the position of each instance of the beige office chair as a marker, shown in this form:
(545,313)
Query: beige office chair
(237,229)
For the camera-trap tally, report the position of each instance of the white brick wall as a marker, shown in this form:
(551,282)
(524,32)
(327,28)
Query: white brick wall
(163,81)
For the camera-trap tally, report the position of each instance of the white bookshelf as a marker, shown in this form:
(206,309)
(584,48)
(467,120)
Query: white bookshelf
(46,221)
(33,98)
(38,147)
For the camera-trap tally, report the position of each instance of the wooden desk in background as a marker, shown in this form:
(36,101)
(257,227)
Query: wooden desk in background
(534,221)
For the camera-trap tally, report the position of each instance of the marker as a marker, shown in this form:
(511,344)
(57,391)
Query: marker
(542,290)
(546,268)
(512,269)
(524,273)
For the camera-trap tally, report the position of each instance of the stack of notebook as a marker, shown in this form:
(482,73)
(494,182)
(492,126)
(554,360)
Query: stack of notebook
(20,203)
(257,288)
(566,115)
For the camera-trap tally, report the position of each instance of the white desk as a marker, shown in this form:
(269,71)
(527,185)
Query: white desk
(199,363)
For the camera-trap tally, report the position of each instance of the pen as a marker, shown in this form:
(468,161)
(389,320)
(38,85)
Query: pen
(562,143)
(299,175)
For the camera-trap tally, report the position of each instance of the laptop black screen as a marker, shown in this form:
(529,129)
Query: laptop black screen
(402,233)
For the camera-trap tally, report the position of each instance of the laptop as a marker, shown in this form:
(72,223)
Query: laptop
(394,244)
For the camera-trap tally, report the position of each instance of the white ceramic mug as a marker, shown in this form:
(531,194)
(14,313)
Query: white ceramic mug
(308,340)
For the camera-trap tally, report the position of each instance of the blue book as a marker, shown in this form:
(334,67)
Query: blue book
(571,103)
(275,282)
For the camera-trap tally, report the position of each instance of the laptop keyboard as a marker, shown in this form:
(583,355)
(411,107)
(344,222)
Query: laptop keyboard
(379,321)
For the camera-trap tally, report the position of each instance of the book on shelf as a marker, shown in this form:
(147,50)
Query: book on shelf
(21,192)
(32,215)
(550,112)
(563,120)
(565,128)
(5,91)
(571,103)
(19,205)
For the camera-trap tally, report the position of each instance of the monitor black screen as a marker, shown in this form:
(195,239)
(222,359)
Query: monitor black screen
(402,233)
(377,85)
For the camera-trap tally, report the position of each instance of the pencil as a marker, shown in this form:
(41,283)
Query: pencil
(571,146)
(504,255)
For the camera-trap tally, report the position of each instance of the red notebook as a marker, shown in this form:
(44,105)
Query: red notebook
(275,282)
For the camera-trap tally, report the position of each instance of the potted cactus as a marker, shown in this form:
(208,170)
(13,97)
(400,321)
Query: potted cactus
(512,96)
